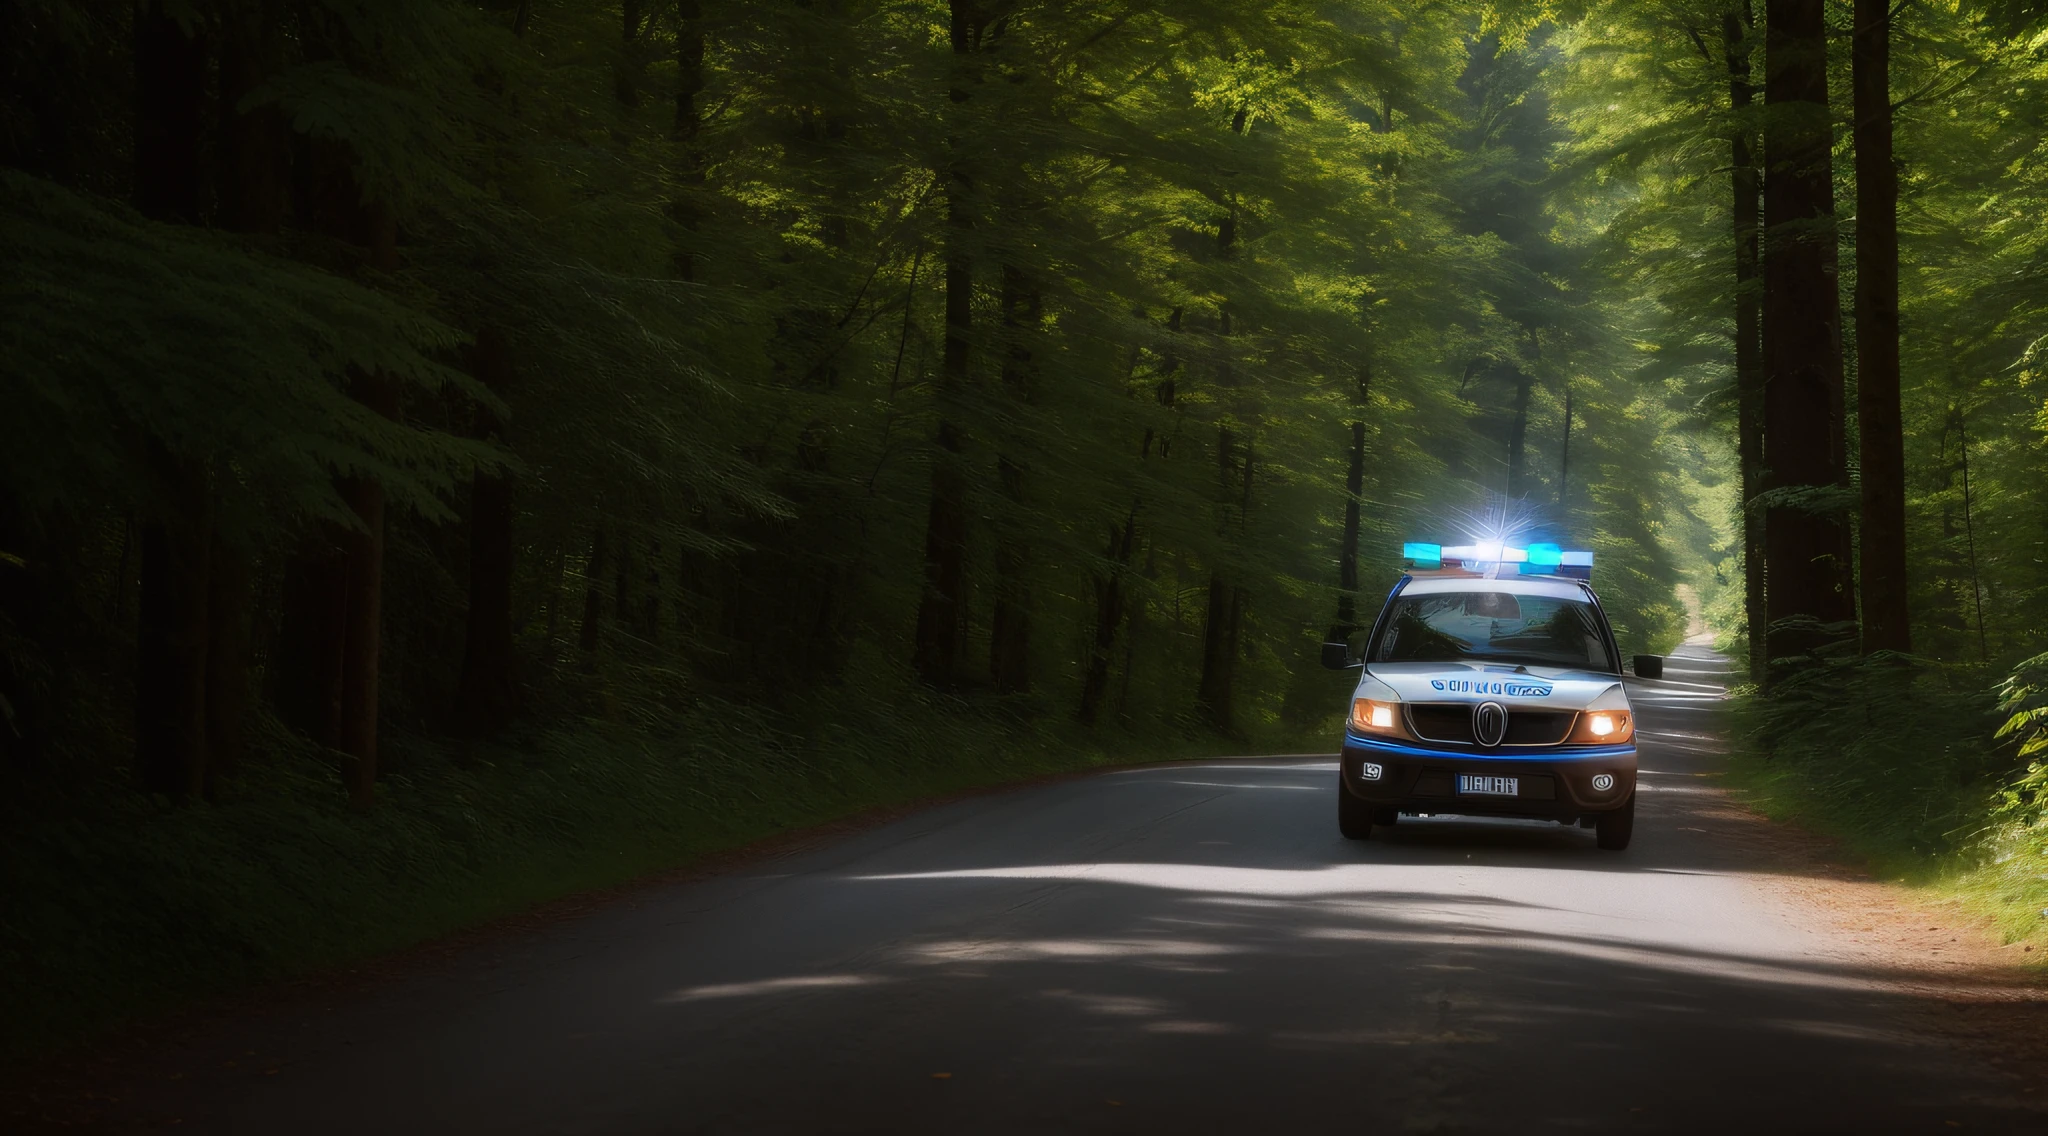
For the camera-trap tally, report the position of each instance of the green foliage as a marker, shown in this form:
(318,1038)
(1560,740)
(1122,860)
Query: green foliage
(118,905)
(121,334)
(1124,277)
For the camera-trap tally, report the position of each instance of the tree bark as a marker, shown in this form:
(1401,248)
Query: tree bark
(310,635)
(170,645)
(253,193)
(689,69)
(171,619)
(622,585)
(486,692)
(1223,626)
(1564,461)
(1109,615)
(1354,488)
(170,99)
(588,635)
(1887,624)
(255,144)
(689,123)
(1749,365)
(1219,670)
(1802,362)
(626,72)
(941,613)
(1010,629)
(1215,695)
(363,604)
(227,660)
(338,579)
(1518,435)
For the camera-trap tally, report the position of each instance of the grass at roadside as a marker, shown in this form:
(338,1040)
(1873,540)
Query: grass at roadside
(126,907)
(1903,766)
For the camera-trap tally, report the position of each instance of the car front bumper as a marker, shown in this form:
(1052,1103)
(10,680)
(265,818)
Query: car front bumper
(1553,782)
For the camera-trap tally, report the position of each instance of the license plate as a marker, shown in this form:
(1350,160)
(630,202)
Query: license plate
(1476,786)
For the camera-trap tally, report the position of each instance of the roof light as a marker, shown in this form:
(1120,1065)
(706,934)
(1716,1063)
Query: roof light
(1495,558)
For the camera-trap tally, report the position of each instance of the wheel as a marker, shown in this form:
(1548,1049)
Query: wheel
(1354,817)
(1613,830)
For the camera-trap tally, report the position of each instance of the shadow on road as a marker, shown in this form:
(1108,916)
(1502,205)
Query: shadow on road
(1186,947)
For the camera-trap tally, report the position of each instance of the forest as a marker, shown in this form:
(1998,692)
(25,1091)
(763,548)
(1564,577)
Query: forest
(457,453)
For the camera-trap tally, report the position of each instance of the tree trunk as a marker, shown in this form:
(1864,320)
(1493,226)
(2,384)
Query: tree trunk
(253,191)
(650,605)
(689,68)
(1347,550)
(626,72)
(1749,366)
(1354,487)
(310,635)
(1518,435)
(1564,461)
(941,611)
(622,586)
(171,631)
(363,624)
(683,208)
(1109,615)
(1223,626)
(1218,661)
(170,99)
(170,646)
(486,691)
(1010,629)
(588,636)
(1802,360)
(254,164)
(227,660)
(338,628)
(1887,622)
(1217,690)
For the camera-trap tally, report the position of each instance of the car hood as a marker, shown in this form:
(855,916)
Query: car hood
(1559,687)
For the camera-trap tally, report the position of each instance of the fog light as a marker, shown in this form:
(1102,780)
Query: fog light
(1370,772)
(1603,782)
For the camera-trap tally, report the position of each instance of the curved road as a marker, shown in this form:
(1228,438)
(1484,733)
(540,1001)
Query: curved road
(1183,948)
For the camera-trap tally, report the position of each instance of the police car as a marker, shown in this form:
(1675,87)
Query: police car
(1491,686)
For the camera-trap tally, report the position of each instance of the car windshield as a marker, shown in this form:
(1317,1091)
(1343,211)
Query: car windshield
(1493,627)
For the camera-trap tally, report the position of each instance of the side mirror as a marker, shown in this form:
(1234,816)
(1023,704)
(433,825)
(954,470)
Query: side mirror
(1649,666)
(1337,657)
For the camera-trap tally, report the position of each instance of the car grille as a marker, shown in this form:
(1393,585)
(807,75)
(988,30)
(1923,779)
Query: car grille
(1537,727)
(1442,721)
(1452,722)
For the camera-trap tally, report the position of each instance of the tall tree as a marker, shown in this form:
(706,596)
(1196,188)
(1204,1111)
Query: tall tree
(486,690)
(942,609)
(1737,22)
(1805,537)
(1887,618)
(171,63)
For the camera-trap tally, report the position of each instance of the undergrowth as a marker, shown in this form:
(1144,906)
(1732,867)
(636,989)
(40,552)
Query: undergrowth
(1929,772)
(120,906)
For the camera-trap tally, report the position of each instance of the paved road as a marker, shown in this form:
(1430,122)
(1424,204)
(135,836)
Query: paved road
(1188,948)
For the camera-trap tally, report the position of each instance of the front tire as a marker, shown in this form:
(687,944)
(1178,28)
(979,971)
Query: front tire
(1354,817)
(1613,830)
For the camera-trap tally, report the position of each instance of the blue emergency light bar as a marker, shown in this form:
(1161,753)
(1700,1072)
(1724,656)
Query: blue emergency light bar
(1494,559)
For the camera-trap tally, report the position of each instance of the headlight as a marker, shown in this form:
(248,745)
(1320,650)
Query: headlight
(1375,717)
(1604,727)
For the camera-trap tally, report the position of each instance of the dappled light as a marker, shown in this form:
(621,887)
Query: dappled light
(721,567)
